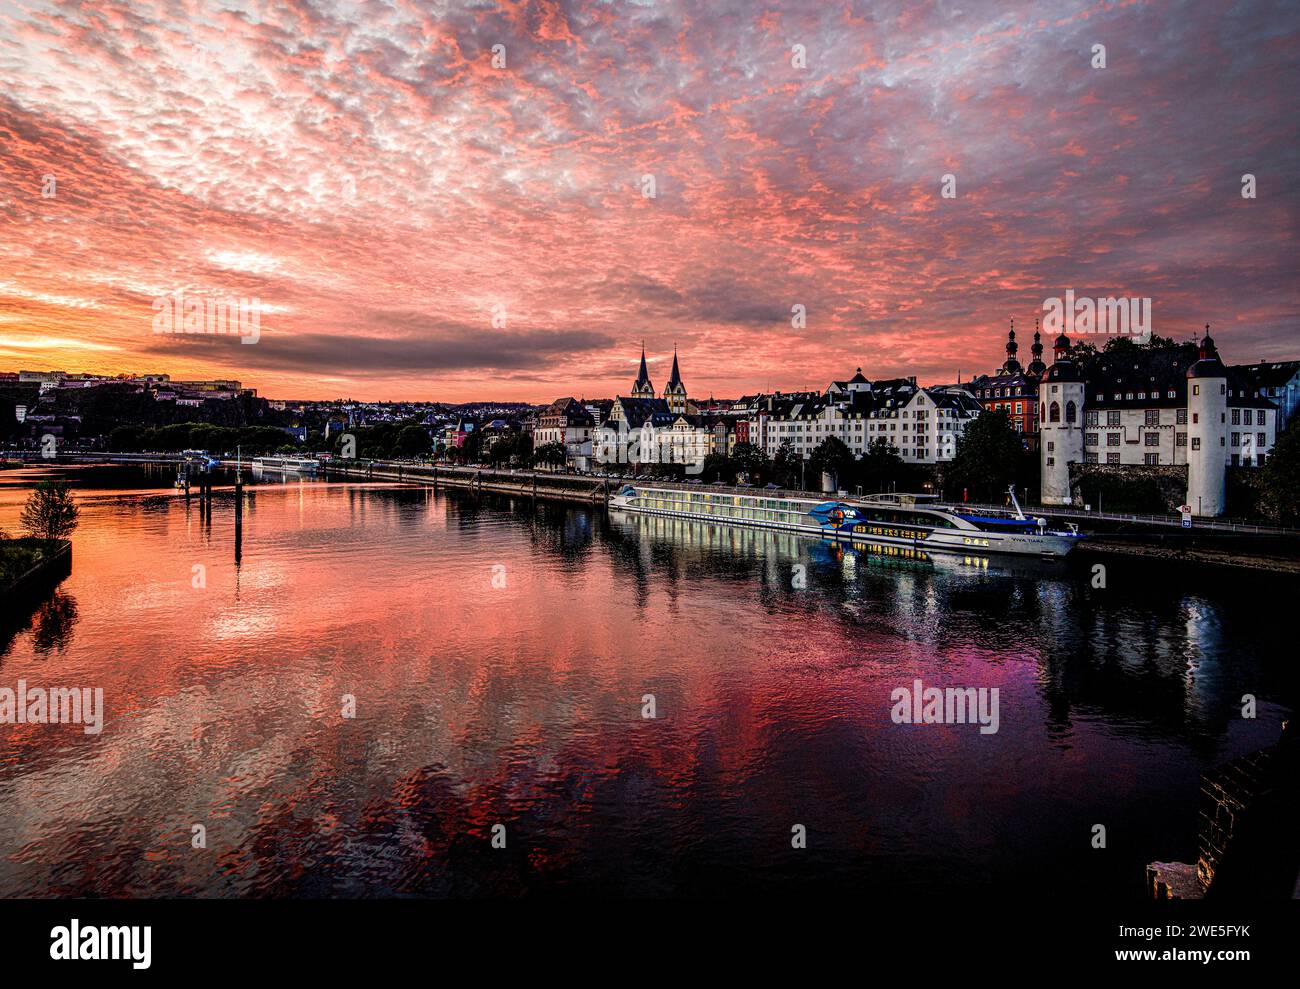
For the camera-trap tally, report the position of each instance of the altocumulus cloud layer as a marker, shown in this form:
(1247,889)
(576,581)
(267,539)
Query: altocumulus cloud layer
(367,172)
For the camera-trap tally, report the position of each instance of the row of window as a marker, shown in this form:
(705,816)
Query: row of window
(1141,396)
(1180,439)
(1019,407)
(1153,459)
(1009,392)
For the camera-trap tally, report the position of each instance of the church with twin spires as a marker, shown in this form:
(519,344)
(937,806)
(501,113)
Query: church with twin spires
(674,398)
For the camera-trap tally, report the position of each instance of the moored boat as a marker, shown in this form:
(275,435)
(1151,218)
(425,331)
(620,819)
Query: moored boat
(287,465)
(917,521)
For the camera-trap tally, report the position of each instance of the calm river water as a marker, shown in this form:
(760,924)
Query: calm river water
(499,655)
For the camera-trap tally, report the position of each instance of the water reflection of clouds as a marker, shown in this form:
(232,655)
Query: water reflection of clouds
(244,623)
(521,704)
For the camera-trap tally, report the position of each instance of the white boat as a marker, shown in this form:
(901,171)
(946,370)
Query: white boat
(199,459)
(286,465)
(891,520)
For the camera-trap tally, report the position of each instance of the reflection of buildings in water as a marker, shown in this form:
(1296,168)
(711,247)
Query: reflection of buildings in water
(778,551)
(703,538)
(1142,650)
(1154,656)
(1203,634)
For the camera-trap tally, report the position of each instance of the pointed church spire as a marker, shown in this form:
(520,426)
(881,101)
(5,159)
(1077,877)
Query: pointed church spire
(643,388)
(675,393)
(676,378)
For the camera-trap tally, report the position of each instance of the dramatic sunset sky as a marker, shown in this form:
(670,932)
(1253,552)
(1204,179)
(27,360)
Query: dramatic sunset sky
(366,172)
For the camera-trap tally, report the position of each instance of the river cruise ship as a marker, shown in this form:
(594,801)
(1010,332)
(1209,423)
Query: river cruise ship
(917,521)
(286,465)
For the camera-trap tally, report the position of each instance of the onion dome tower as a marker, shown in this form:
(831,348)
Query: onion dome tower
(1036,366)
(1061,349)
(1011,365)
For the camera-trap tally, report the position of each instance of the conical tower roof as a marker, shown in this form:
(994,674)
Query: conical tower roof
(644,376)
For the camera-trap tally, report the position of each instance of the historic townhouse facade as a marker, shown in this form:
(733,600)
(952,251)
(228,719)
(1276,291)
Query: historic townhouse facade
(567,422)
(922,424)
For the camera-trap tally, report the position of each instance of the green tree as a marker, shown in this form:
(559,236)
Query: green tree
(1280,479)
(990,457)
(752,461)
(786,467)
(718,467)
(551,454)
(412,441)
(1081,352)
(523,448)
(50,512)
(512,448)
(125,439)
(881,468)
(831,455)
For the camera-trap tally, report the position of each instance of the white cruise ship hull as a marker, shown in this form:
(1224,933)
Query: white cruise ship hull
(950,533)
(285,465)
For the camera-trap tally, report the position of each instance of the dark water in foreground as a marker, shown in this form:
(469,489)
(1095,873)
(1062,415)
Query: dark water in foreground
(518,701)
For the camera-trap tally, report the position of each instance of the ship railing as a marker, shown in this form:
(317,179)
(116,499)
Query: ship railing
(1213,523)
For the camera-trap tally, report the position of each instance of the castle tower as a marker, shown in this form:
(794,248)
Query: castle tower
(1061,349)
(675,393)
(1036,366)
(1060,426)
(643,387)
(1011,365)
(1207,425)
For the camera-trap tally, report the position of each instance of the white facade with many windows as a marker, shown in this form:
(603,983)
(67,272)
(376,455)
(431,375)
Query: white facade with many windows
(922,425)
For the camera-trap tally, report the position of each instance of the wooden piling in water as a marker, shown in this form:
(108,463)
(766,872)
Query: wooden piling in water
(239,515)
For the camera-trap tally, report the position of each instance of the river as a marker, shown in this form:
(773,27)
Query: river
(390,678)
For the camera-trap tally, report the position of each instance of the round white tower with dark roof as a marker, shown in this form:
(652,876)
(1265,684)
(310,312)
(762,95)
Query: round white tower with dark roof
(1207,431)
(1060,426)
